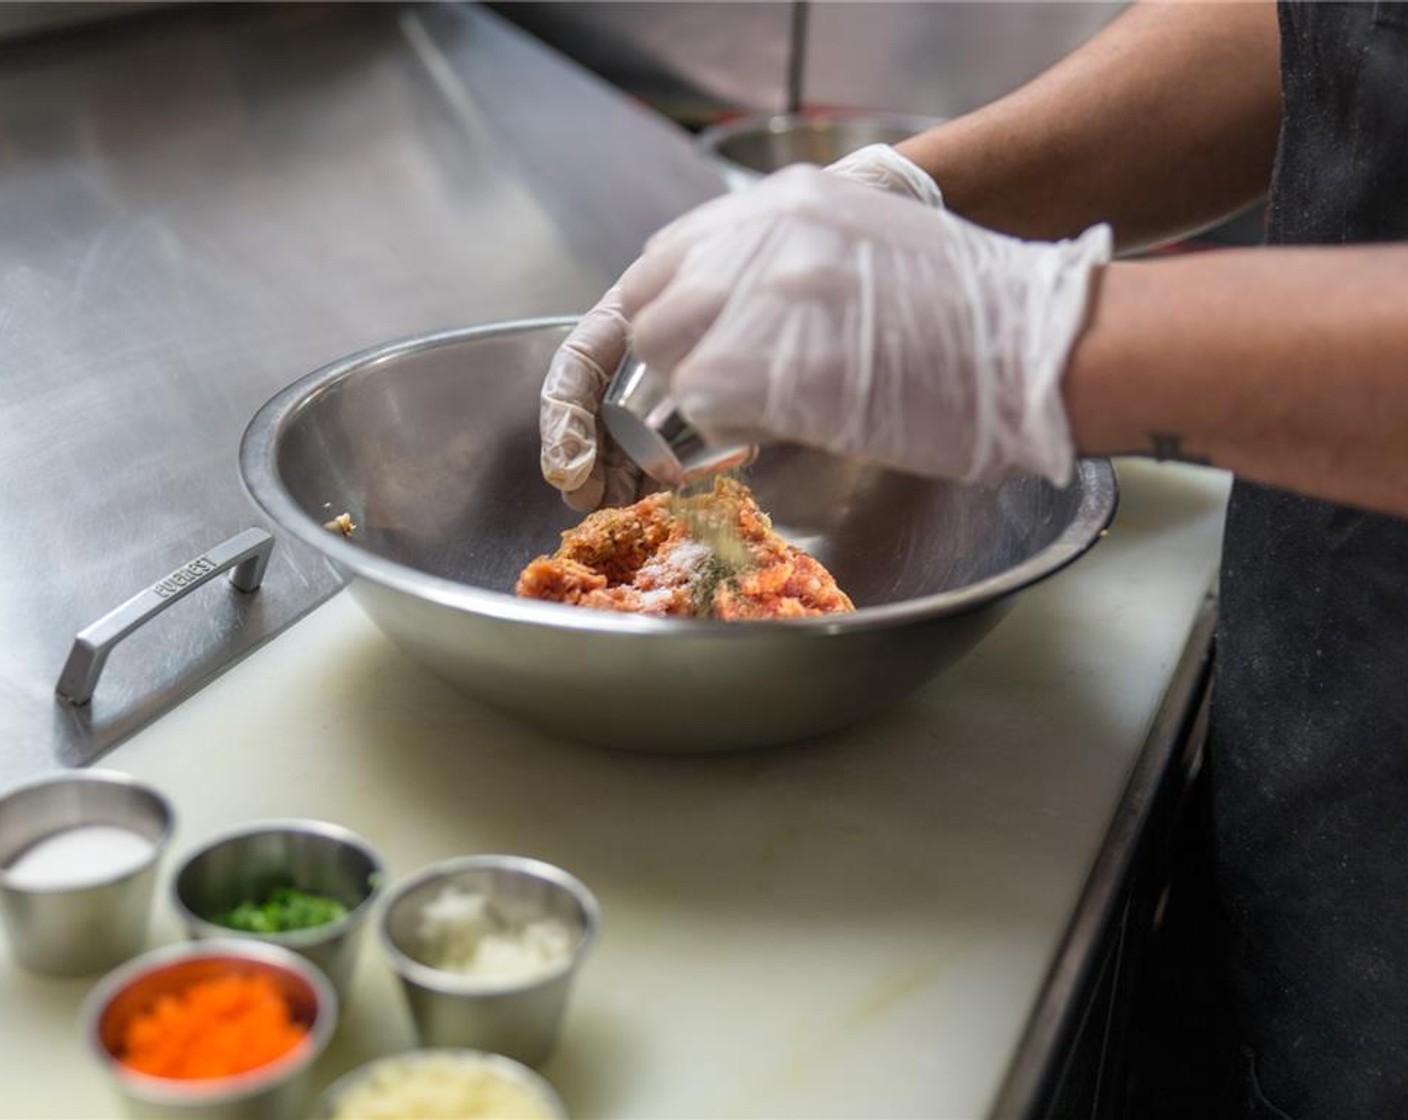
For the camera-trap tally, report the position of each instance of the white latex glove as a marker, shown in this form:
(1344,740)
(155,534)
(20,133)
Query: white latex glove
(814,311)
(578,457)
(879,165)
(568,423)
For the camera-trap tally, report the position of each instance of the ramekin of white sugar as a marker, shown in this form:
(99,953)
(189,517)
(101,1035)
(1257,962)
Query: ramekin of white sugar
(78,857)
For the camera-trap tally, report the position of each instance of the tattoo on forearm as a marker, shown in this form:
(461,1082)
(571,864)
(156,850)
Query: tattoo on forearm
(1168,446)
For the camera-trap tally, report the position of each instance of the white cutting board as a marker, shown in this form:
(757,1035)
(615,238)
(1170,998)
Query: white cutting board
(856,927)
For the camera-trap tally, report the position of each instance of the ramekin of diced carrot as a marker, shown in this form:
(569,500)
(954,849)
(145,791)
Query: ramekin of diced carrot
(222,1026)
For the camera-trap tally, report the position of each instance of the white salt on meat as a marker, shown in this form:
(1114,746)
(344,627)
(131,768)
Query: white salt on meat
(676,566)
(671,567)
(79,857)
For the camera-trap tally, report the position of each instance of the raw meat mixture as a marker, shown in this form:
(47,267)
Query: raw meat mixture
(712,555)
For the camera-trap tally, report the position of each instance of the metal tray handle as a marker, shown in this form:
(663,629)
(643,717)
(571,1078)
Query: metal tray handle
(247,553)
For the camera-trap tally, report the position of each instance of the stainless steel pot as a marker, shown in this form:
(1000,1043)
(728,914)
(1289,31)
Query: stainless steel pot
(747,149)
(431,446)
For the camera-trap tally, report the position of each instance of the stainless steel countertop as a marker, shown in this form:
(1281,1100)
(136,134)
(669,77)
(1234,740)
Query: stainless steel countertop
(200,205)
(933,58)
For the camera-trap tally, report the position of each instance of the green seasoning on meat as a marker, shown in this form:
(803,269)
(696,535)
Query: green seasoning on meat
(714,574)
(729,555)
(283,911)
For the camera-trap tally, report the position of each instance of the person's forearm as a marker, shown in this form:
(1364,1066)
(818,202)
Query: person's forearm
(1163,123)
(1286,366)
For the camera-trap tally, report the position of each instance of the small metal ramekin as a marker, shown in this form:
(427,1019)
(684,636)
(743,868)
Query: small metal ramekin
(327,1105)
(85,929)
(276,1091)
(313,856)
(518,1018)
(642,418)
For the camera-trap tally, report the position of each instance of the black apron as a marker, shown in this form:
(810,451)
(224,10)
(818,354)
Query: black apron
(1309,752)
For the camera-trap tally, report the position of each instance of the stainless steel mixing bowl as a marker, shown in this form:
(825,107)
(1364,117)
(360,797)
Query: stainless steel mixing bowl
(431,446)
(747,149)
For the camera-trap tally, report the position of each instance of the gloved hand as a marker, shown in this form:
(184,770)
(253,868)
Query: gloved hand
(814,311)
(577,455)
(879,165)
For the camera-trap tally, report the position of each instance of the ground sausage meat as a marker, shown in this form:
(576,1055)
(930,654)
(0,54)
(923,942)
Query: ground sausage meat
(712,555)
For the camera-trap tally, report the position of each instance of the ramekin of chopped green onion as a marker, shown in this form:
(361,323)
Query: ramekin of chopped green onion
(305,885)
(283,910)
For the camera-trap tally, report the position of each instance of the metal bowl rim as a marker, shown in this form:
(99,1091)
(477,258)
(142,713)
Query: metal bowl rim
(712,138)
(453,984)
(292,939)
(240,1086)
(96,776)
(259,472)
